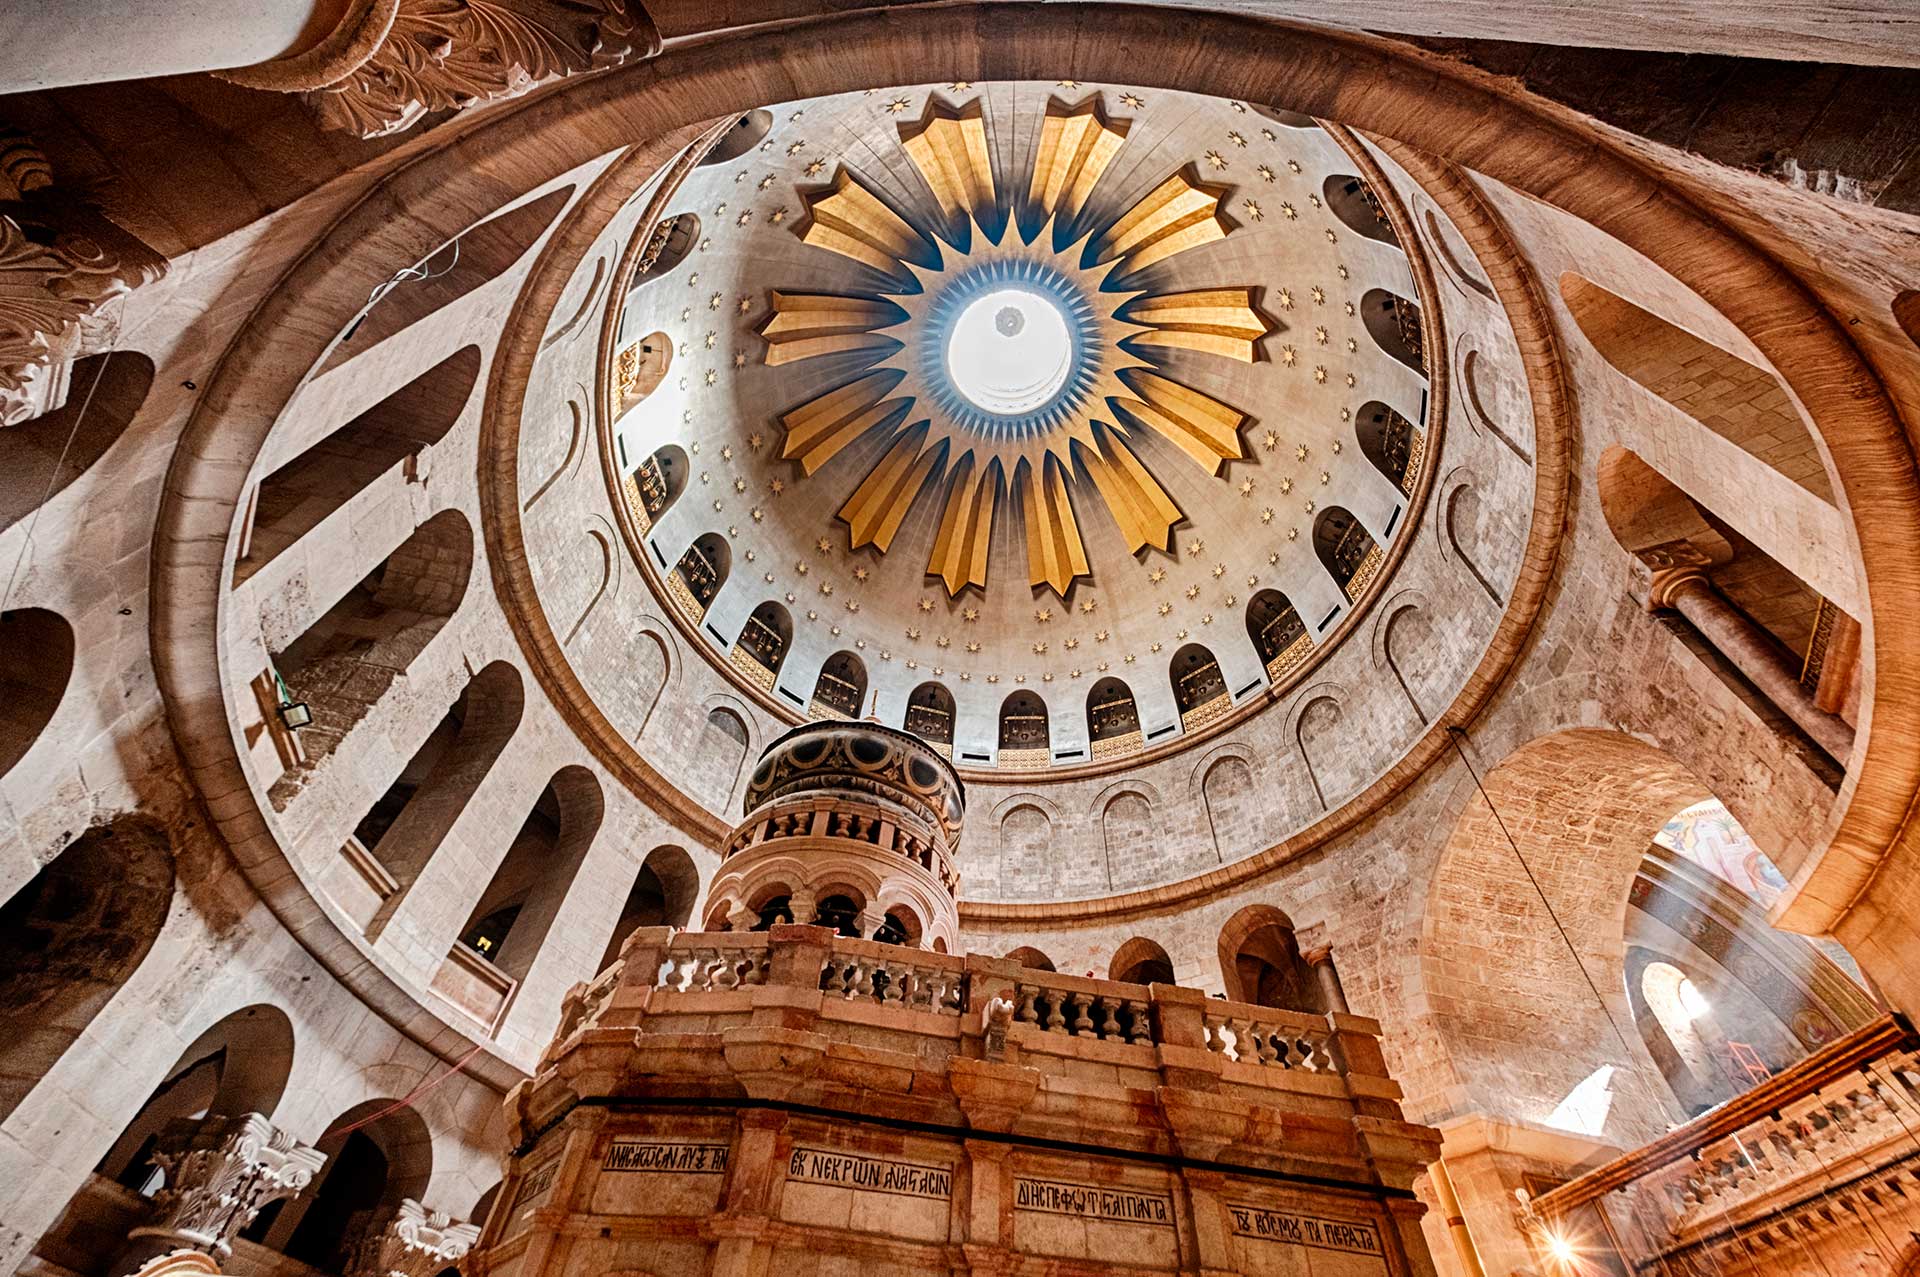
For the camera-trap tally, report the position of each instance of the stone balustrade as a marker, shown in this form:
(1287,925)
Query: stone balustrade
(847,819)
(1772,1181)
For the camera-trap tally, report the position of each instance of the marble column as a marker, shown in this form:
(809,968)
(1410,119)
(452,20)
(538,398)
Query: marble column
(1328,978)
(220,1172)
(1752,651)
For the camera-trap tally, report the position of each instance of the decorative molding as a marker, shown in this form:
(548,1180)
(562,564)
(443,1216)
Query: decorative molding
(63,266)
(448,55)
(415,1242)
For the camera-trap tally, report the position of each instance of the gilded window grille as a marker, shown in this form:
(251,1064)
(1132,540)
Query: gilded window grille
(1290,658)
(1023,760)
(1210,712)
(683,595)
(1116,746)
(1406,317)
(1363,575)
(747,663)
(1416,454)
(1817,641)
(636,506)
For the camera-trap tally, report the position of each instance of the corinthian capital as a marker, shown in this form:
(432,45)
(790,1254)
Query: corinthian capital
(416,1242)
(220,1171)
(452,54)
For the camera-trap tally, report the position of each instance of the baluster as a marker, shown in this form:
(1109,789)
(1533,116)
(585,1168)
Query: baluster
(1216,1040)
(1110,1025)
(725,975)
(1056,1022)
(864,970)
(1263,1038)
(1140,1028)
(896,982)
(1025,1011)
(1082,1022)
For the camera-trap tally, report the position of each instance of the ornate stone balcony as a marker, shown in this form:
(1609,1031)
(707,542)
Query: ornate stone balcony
(1818,1162)
(712,1098)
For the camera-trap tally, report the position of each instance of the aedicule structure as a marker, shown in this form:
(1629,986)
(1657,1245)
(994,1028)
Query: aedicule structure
(781,1098)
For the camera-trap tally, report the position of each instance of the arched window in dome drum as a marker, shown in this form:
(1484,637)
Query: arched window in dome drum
(1346,549)
(1278,633)
(1353,201)
(1271,972)
(1023,730)
(1199,689)
(1113,720)
(1394,324)
(1141,961)
(1391,443)
(701,572)
(762,646)
(656,484)
(667,246)
(841,687)
(36,664)
(842,913)
(741,138)
(930,717)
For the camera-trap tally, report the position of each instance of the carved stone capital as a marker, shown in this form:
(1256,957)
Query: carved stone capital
(220,1172)
(447,55)
(1669,582)
(63,265)
(415,1242)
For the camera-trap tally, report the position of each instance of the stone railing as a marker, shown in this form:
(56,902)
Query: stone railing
(1270,1037)
(885,828)
(1780,1170)
(1084,1008)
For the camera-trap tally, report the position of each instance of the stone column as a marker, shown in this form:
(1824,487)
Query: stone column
(1751,650)
(416,1242)
(1328,978)
(220,1172)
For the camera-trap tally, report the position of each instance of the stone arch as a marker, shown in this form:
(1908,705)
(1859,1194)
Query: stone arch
(240,1064)
(1113,719)
(1404,643)
(303,492)
(652,664)
(582,309)
(1700,378)
(1464,526)
(1394,324)
(1351,200)
(378,1152)
(1455,268)
(1346,550)
(658,481)
(1129,834)
(1141,961)
(1645,511)
(1490,397)
(726,745)
(602,570)
(765,639)
(741,138)
(1023,724)
(72,937)
(405,827)
(574,415)
(1394,445)
(930,716)
(1228,792)
(662,895)
(477,256)
(639,369)
(841,688)
(1031,958)
(1026,847)
(36,664)
(510,920)
(1260,962)
(1317,719)
(40,458)
(701,572)
(343,663)
(1493,966)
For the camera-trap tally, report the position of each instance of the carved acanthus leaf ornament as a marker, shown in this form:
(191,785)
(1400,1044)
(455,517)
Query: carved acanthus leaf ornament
(452,54)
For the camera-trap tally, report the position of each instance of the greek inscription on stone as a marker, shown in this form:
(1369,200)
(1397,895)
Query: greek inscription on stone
(1090,1201)
(684,1159)
(1305,1230)
(878,1174)
(534,1187)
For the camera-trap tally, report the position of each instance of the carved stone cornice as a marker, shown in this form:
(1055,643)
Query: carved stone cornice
(220,1172)
(63,265)
(415,1242)
(452,54)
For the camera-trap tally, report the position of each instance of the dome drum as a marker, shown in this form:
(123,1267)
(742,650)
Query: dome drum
(863,760)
